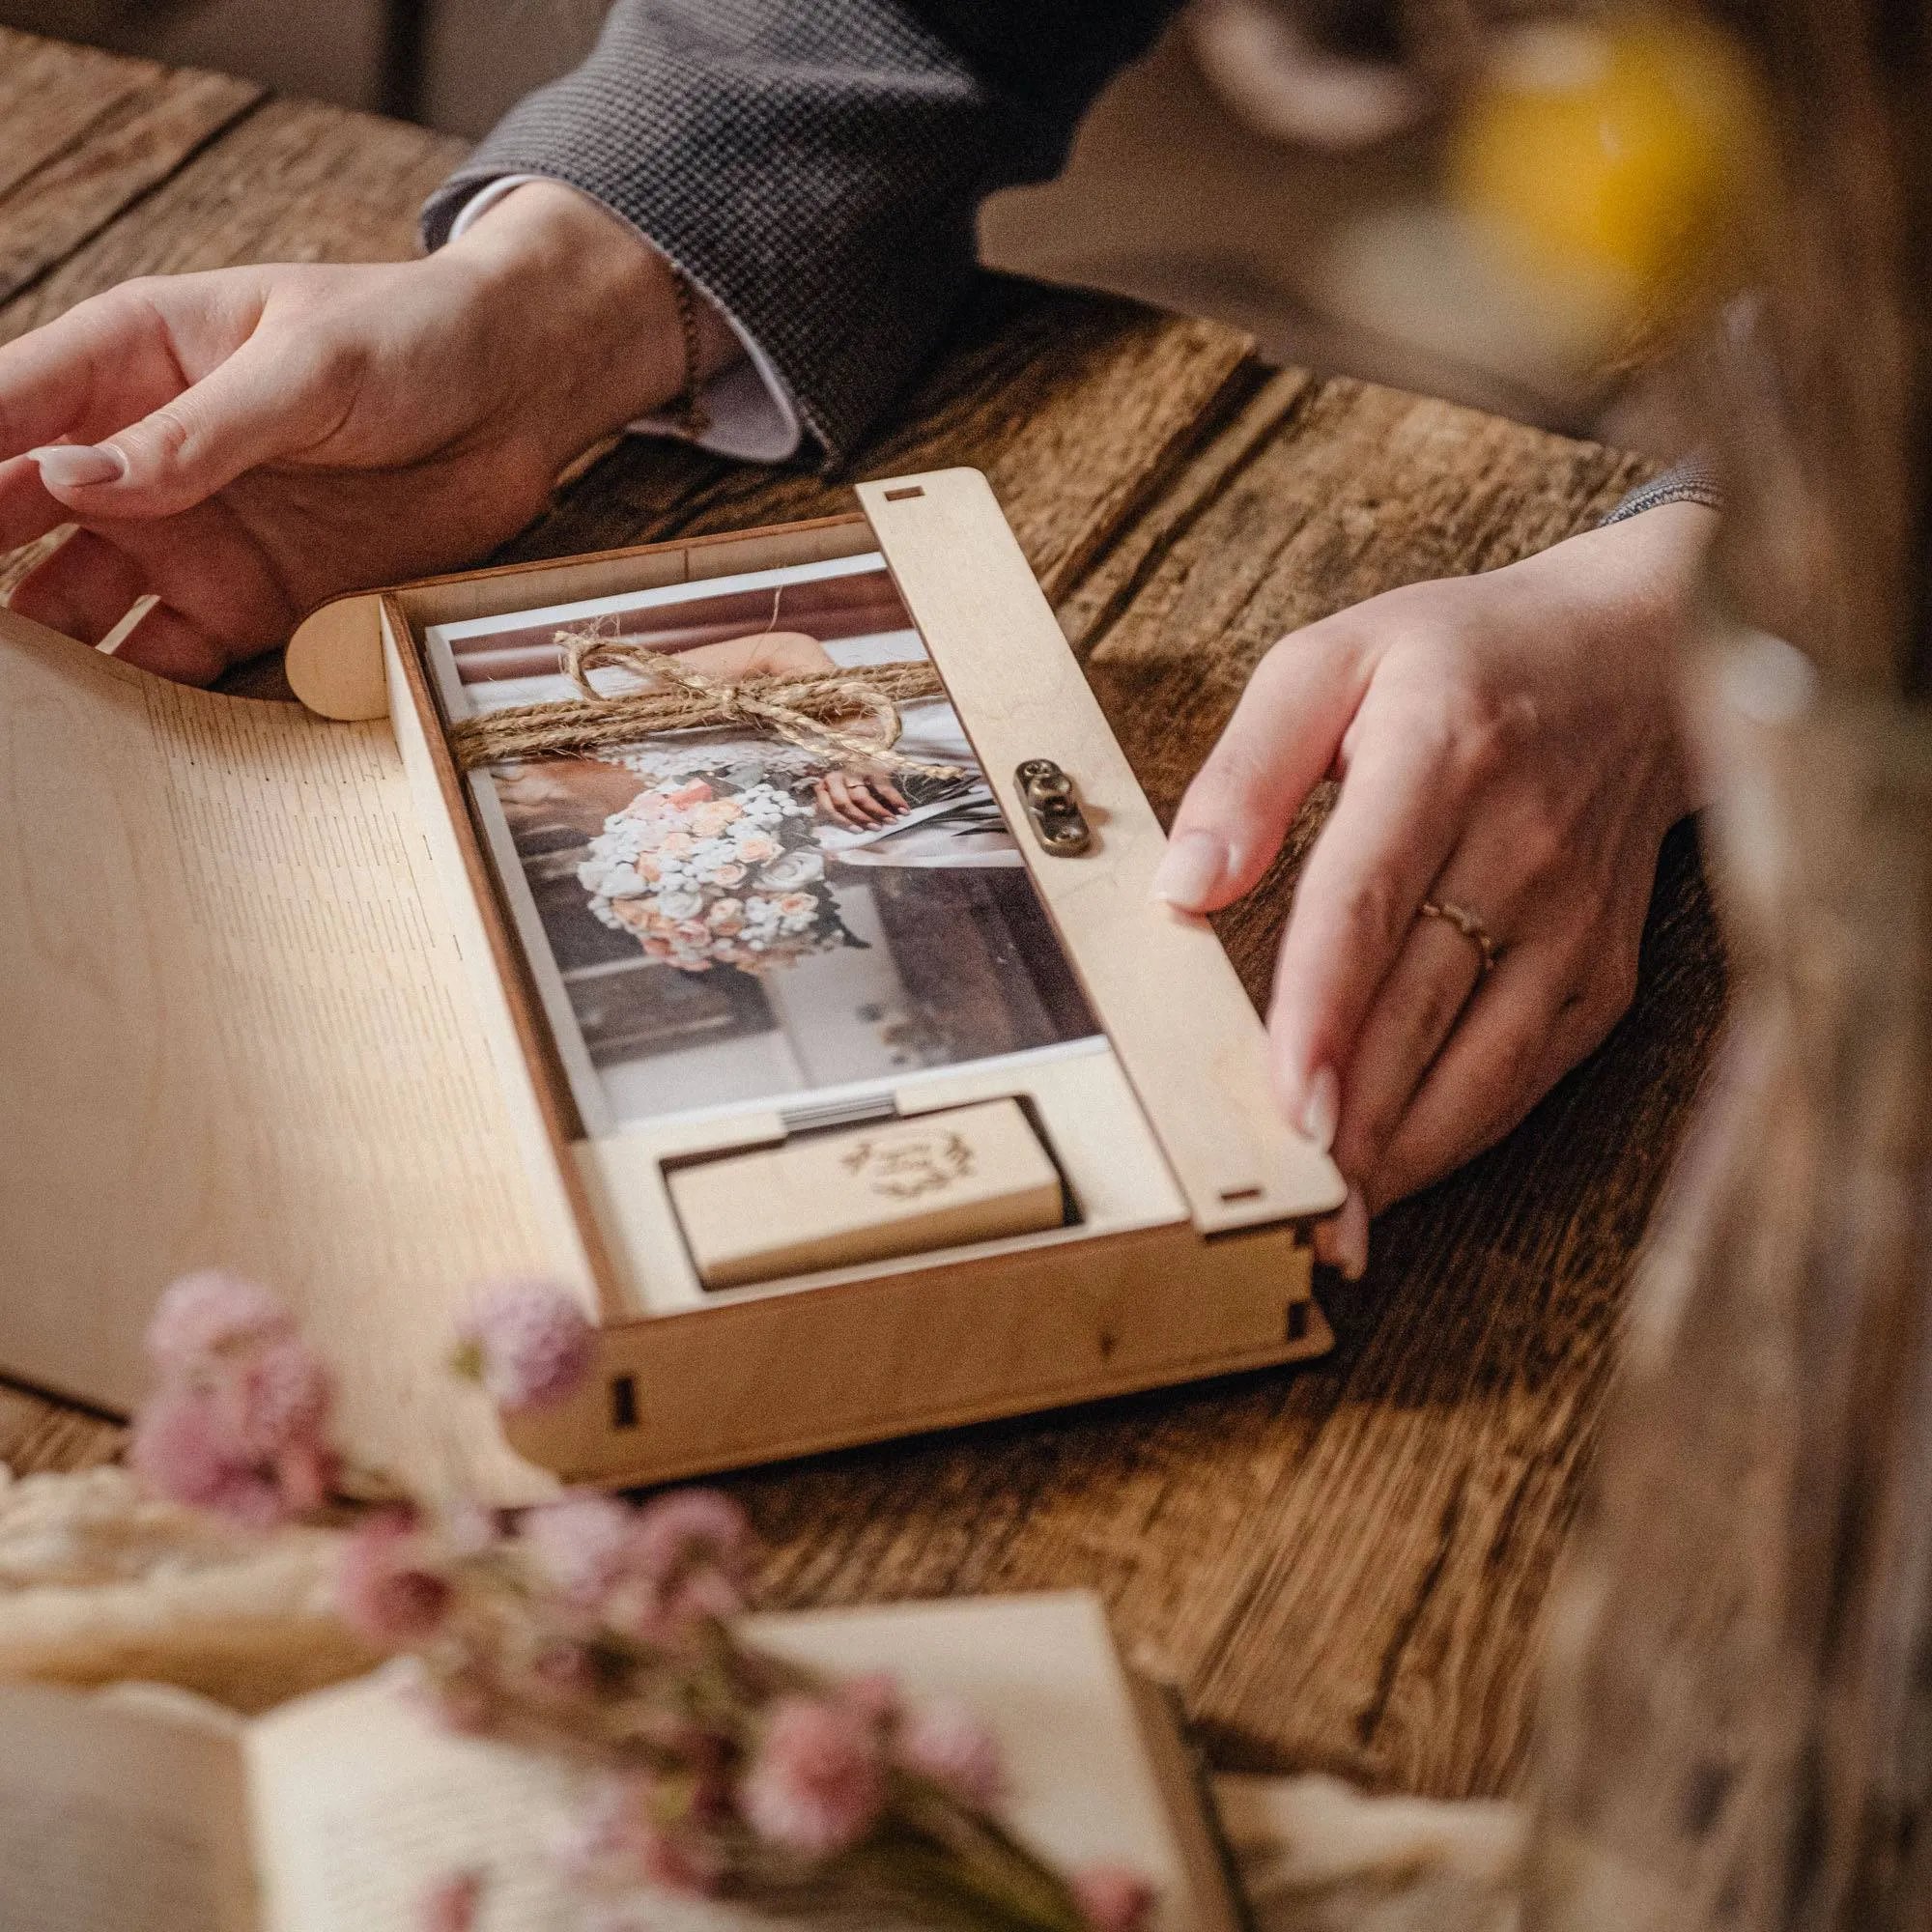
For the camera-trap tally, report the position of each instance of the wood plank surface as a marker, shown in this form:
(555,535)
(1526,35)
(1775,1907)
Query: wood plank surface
(292,181)
(53,97)
(1341,1566)
(53,201)
(1076,407)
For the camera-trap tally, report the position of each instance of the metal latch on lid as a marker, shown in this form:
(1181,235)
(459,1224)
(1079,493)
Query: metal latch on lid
(1051,808)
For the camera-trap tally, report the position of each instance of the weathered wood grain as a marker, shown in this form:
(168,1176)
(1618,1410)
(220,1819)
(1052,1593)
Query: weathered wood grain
(147,133)
(36,1434)
(1343,1566)
(1075,405)
(52,95)
(292,182)
(1351,489)
(1105,591)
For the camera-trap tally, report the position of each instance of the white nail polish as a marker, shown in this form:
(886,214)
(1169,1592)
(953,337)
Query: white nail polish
(1193,865)
(1322,1110)
(73,466)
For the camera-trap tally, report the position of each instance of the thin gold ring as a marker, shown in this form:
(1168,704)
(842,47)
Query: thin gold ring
(1470,927)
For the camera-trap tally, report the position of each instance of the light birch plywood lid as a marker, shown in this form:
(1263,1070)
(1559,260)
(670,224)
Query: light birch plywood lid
(235,1031)
(1178,1017)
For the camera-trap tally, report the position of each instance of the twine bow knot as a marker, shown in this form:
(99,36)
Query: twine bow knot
(808,712)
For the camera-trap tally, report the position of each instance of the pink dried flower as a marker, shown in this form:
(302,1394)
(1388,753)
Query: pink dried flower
(565,1671)
(239,1423)
(451,1904)
(209,1314)
(600,1843)
(874,1696)
(1111,1899)
(954,1747)
(179,1452)
(382,1591)
(273,1396)
(304,1472)
(528,1342)
(588,1547)
(817,1784)
(678,1865)
(685,1528)
(695,1547)
(466,1528)
(615,1841)
(703,1595)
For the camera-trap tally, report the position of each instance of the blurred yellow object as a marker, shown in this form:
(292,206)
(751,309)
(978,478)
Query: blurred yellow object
(1620,152)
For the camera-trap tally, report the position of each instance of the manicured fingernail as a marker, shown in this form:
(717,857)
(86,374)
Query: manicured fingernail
(72,465)
(1190,869)
(1351,1236)
(1342,1242)
(1322,1111)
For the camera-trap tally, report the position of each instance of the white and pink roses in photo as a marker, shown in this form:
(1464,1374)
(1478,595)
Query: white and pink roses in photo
(708,878)
(604,1633)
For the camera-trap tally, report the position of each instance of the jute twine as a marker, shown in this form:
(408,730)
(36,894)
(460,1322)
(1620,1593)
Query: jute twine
(805,711)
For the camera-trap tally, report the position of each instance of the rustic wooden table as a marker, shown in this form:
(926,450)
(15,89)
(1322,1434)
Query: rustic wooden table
(1342,1567)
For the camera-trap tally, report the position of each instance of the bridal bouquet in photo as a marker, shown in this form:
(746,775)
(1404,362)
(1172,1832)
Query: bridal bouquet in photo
(710,878)
(602,1635)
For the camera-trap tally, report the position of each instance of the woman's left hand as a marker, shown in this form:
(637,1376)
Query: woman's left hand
(860,800)
(1506,744)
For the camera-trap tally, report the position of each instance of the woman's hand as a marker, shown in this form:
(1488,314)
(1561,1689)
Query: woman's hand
(764,654)
(1505,744)
(247,443)
(860,800)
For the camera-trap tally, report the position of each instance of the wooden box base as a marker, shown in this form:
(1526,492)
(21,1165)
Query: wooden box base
(791,1374)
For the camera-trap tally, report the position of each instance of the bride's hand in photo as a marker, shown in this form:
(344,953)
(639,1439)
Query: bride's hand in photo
(1508,754)
(860,800)
(246,443)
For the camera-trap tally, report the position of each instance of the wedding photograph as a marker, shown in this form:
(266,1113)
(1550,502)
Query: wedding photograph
(725,916)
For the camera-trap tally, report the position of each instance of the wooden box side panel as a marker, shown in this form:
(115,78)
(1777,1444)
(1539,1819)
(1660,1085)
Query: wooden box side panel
(533,1091)
(235,1031)
(788,1374)
(1176,1013)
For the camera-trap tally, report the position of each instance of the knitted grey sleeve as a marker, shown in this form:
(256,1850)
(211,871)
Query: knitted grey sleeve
(815,167)
(1695,480)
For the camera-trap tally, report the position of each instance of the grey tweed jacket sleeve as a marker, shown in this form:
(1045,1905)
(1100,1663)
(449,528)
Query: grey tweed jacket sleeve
(815,165)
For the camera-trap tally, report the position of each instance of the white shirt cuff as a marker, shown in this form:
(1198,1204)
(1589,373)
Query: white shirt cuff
(754,417)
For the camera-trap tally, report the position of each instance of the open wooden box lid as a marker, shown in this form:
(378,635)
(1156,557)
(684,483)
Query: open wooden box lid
(240,1020)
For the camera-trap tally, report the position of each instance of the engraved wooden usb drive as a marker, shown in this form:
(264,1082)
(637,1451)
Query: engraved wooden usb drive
(900,1187)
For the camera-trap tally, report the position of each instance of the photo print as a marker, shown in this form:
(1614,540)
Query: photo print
(721,918)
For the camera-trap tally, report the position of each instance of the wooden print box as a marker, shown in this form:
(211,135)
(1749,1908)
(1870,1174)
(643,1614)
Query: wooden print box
(265,1007)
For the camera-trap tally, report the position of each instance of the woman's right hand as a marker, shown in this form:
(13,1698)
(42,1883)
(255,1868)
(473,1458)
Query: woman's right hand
(247,443)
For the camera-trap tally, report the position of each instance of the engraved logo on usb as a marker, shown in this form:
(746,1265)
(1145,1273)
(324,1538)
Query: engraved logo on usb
(904,1169)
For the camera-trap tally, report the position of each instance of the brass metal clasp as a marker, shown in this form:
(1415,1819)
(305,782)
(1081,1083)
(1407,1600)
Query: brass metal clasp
(1058,822)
